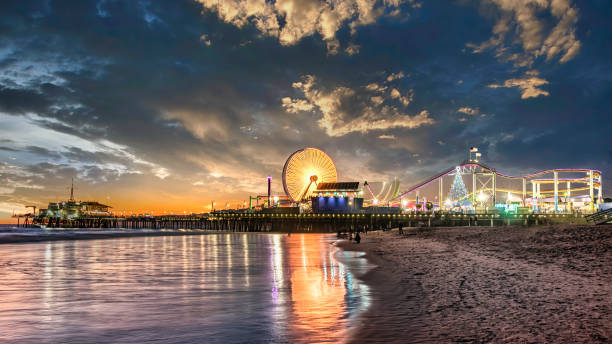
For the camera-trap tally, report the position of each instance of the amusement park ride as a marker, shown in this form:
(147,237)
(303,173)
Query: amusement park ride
(309,175)
(315,200)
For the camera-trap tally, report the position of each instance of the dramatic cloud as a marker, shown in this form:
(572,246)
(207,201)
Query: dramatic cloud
(528,85)
(344,113)
(542,27)
(292,20)
(169,105)
(32,135)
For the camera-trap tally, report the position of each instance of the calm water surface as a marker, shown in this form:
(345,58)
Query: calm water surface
(217,288)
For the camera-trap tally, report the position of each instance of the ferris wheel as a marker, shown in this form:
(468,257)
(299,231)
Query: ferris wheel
(306,168)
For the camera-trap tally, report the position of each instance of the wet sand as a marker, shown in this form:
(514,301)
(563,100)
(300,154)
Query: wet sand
(482,284)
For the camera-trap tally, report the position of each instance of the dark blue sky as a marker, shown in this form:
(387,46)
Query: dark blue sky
(181,102)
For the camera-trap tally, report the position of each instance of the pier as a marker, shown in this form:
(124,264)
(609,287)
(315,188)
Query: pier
(258,222)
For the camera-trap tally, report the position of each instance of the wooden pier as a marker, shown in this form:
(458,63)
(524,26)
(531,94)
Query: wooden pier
(258,222)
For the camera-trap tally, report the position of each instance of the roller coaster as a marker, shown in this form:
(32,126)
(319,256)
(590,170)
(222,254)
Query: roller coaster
(489,187)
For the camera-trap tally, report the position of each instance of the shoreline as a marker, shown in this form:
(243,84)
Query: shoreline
(34,236)
(487,284)
(15,235)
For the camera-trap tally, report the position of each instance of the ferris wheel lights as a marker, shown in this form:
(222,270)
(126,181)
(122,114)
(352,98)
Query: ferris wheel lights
(304,169)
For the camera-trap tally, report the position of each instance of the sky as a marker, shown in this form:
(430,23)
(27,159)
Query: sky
(169,105)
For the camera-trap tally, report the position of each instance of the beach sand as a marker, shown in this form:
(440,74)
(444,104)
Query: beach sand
(482,284)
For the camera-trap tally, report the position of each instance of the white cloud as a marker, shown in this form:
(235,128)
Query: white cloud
(161,172)
(10,207)
(338,120)
(377,100)
(292,20)
(405,100)
(374,87)
(387,137)
(541,27)
(469,111)
(296,105)
(201,125)
(529,85)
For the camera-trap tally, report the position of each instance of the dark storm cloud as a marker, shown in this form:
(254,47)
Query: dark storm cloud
(42,152)
(22,101)
(140,83)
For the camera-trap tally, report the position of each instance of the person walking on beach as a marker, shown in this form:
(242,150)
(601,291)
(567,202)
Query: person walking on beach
(357,238)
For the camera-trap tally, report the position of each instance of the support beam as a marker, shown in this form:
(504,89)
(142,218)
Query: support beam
(524,190)
(494,188)
(568,202)
(599,194)
(474,187)
(556,177)
(270,192)
(533,195)
(441,193)
(591,190)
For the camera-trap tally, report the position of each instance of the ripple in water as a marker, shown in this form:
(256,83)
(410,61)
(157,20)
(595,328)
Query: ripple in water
(217,288)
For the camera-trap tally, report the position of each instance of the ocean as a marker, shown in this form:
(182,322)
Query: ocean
(212,288)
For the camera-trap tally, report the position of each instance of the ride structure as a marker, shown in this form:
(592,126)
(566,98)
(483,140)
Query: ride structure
(561,190)
(304,169)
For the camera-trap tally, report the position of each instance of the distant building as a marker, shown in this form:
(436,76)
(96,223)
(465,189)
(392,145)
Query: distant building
(72,209)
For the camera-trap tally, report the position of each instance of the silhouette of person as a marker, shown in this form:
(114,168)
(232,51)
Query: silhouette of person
(357,238)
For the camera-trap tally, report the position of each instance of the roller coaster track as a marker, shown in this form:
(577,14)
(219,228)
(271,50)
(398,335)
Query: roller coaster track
(600,217)
(488,169)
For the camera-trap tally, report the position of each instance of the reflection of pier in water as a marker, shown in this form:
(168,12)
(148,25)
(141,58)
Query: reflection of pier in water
(268,288)
(316,289)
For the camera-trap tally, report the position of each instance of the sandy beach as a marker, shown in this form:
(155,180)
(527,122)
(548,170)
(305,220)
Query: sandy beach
(483,284)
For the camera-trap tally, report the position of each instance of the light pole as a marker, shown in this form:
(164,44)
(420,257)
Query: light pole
(269,190)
